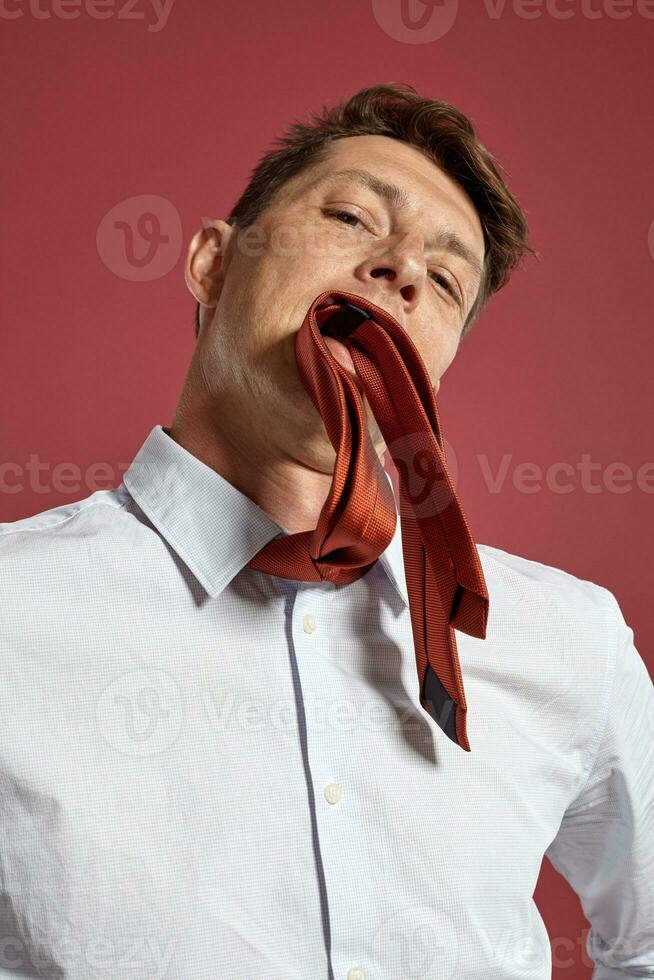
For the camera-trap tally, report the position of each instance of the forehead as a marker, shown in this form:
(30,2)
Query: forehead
(429,190)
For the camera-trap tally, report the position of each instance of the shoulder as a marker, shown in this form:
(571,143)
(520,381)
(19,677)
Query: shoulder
(575,636)
(29,533)
(56,546)
(68,563)
(537,585)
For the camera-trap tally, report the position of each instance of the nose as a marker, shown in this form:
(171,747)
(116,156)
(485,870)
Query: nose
(401,263)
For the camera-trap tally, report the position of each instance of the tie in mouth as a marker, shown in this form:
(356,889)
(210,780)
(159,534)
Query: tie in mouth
(344,320)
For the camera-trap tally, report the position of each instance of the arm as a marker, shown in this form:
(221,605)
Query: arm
(605,844)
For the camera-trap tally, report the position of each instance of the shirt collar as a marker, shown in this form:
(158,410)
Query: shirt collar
(213,527)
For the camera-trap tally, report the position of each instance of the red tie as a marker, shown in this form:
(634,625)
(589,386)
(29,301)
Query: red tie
(445,581)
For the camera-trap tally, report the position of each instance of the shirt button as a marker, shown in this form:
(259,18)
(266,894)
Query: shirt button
(332,795)
(308,623)
(356,973)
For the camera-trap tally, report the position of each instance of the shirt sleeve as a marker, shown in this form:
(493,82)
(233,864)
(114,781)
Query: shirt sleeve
(605,844)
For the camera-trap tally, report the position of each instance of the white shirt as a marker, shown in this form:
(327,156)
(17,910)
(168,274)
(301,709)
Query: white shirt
(209,773)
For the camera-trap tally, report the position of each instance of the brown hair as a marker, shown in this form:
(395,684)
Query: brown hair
(440,130)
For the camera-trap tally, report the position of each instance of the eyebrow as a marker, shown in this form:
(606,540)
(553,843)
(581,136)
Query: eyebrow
(398,198)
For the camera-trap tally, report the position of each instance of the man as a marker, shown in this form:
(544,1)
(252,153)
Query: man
(210,771)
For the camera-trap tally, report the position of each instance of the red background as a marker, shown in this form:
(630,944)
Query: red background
(97,111)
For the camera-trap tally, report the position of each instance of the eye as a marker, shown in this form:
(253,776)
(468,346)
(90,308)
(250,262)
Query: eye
(446,282)
(346,214)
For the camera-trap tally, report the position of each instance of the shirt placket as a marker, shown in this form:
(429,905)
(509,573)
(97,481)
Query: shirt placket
(332,760)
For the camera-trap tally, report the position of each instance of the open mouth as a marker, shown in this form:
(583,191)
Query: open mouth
(343,320)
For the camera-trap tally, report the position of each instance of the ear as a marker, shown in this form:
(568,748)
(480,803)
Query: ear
(204,270)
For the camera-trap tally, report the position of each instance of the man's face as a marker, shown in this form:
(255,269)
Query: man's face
(324,232)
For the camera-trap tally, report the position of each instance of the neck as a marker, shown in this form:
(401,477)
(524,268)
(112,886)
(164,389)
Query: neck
(227,440)
(288,478)
(289,493)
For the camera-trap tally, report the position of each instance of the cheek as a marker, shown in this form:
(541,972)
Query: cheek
(290,245)
(437,350)
(327,246)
